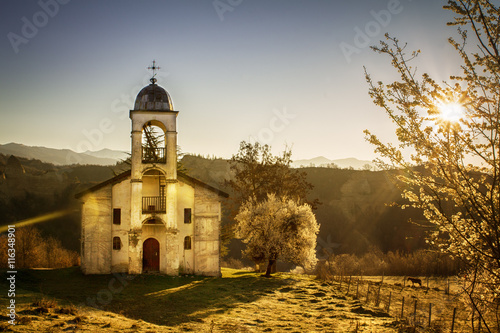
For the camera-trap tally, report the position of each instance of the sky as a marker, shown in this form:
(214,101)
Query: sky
(281,72)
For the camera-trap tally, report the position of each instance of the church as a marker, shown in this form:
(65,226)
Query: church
(152,218)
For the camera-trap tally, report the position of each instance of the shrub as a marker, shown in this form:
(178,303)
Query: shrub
(232,263)
(34,250)
(419,263)
(45,303)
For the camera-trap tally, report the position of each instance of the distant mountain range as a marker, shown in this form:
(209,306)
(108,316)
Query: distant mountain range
(105,153)
(344,163)
(63,156)
(110,157)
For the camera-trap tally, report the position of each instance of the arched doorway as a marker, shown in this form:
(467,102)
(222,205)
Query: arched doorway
(151,255)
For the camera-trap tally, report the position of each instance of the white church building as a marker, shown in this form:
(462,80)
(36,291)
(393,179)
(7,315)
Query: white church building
(151,218)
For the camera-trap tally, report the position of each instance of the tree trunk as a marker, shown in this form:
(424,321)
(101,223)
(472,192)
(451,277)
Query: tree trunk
(269,267)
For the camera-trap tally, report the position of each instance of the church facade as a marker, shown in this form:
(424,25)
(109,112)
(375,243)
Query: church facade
(151,218)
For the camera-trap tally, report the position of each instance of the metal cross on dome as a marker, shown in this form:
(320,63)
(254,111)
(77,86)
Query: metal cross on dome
(153,68)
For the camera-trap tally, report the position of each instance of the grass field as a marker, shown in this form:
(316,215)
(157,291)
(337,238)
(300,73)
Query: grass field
(413,305)
(240,301)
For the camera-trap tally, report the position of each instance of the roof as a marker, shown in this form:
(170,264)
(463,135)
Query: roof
(124,175)
(202,184)
(153,98)
(116,179)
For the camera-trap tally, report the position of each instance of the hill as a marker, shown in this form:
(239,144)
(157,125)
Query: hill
(111,157)
(354,215)
(29,188)
(108,154)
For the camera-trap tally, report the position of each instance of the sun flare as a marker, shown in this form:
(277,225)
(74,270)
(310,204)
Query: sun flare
(451,112)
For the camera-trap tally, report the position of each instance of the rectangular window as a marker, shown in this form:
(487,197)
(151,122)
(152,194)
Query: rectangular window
(187,215)
(117,216)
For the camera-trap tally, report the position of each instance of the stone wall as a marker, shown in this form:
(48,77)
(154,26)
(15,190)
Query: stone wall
(207,216)
(121,200)
(96,232)
(185,200)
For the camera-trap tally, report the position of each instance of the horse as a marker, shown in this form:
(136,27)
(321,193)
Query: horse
(415,280)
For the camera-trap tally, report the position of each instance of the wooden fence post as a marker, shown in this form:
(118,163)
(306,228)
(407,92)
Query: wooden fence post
(377,303)
(357,289)
(430,314)
(348,285)
(453,319)
(389,303)
(415,313)
(368,293)
(402,308)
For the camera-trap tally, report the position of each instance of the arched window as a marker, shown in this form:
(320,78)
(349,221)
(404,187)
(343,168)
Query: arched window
(117,243)
(187,243)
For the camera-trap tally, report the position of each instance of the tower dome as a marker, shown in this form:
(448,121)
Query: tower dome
(153,98)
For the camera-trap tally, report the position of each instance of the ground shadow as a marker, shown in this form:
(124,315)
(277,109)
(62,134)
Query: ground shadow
(156,299)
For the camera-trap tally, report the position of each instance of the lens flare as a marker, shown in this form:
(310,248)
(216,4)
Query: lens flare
(38,219)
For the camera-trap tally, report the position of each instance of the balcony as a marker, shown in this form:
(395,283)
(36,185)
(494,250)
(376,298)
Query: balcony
(154,204)
(154,155)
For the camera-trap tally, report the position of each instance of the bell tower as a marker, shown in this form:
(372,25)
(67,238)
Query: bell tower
(153,184)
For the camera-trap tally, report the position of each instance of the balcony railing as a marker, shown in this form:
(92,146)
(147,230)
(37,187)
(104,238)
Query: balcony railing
(153,205)
(154,155)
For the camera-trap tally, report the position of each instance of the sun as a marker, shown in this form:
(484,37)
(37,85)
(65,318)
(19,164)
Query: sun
(451,112)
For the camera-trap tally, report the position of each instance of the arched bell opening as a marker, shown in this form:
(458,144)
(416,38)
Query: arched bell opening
(154,143)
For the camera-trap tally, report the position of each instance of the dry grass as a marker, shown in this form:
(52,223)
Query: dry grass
(241,301)
(443,293)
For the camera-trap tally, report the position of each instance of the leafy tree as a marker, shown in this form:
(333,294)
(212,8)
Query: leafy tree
(278,227)
(451,131)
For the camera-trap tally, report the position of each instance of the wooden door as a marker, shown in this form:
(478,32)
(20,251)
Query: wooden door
(151,255)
